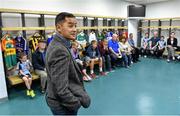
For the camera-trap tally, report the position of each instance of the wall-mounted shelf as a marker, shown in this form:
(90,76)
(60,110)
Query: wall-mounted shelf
(3,10)
(53,28)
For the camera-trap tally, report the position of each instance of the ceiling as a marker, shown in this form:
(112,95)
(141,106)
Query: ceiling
(144,2)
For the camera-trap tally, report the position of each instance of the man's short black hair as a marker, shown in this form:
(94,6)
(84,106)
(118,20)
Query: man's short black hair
(61,17)
(173,32)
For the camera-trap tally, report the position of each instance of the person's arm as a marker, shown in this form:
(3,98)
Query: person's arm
(89,52)
(169,43)
(20,70)
(150,44)
(157,44)
(58,63)
(98,53)
(112,51)
(175,43)
(35,62)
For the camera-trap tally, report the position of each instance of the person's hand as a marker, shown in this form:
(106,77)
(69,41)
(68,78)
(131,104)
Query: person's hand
(97,58)
(169,46)
(81,63)
(119,56)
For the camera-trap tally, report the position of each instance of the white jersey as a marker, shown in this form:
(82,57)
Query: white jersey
(92,36)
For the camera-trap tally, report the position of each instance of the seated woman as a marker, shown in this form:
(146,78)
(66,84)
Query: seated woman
(125,51)
(171,46)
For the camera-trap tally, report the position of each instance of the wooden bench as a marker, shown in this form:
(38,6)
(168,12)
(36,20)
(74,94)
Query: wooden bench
(15,79)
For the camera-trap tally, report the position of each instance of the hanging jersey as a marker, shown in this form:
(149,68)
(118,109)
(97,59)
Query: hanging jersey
(33,41)
(100,36)
(21,45)
(8,47)
(50,38)
(92,36)
(81,38)
(109,35)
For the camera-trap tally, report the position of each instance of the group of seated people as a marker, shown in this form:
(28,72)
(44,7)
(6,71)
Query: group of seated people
(108,54)
(119,51)
(156,46)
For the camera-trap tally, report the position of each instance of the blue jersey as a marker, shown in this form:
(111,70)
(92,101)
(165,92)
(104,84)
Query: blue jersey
(21,45)
(50,38)
(25,67)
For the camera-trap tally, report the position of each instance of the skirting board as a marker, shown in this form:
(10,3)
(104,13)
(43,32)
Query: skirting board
(2,100)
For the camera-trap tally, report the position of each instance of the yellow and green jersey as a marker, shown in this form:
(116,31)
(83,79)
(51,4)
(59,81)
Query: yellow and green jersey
(8,47)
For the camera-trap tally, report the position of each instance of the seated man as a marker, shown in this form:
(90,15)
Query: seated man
(161,45)
(105,54)
(153,43)
(135,50)
(125,51)
(145,45)
(93,53)
(38,61)
(114,51)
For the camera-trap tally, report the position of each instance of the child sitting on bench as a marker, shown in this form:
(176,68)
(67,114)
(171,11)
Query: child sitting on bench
(24,73)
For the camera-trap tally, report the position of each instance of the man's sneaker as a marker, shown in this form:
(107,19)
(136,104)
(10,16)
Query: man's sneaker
(111,70)
(178,57)
(173,58)
(93,75)
(168,60)
(28,93)
(103,73)
(85,78)
(42,91)
(126,66)
(32,93)
(89,78)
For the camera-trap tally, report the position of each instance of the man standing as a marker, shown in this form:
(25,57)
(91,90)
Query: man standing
(65,89)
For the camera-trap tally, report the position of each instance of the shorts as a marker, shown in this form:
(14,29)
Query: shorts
(86,59)
(30,76)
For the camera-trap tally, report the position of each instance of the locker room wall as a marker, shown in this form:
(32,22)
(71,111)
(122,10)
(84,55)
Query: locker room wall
(105,7)
(163,9)
(102,7)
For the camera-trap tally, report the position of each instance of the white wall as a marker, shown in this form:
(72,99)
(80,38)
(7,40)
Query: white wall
(132,28)
(95,7)
(167,9)
(3,89)
(163,9)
